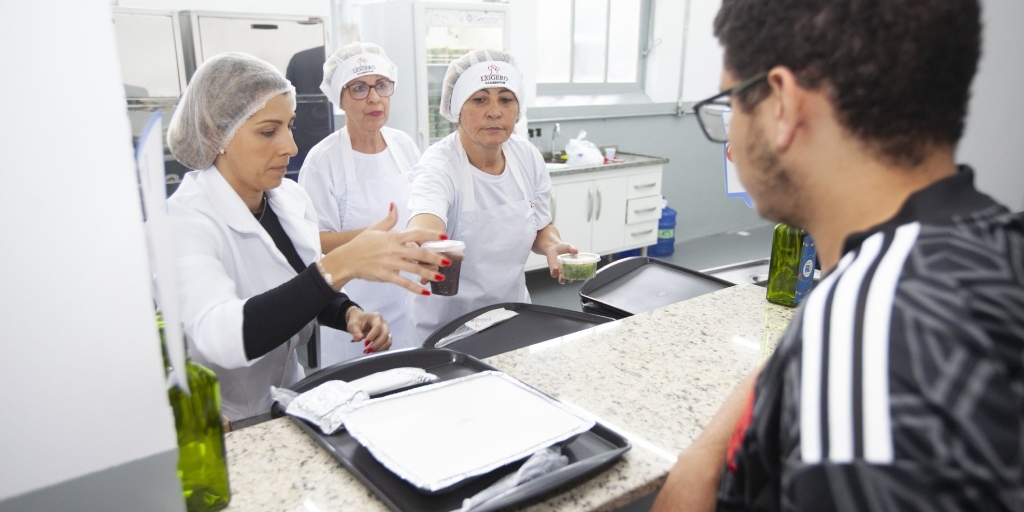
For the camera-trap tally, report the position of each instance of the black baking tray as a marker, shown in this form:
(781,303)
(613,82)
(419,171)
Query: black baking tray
(533,324)
(638,284)
(588,453)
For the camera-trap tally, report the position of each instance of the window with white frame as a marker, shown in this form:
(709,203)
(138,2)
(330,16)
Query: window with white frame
(591,46)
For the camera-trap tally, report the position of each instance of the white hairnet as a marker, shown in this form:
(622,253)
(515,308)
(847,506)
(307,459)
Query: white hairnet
(352,61)
(481,69)
(224,92)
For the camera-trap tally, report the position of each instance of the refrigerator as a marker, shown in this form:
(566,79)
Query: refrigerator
(295,45)
(422,38)
(151,55)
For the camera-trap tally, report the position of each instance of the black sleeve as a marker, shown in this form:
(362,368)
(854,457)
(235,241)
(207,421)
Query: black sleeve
(272,317)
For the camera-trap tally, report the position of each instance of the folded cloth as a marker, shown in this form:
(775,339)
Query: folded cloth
(390,380)
(322,405)
(540,463)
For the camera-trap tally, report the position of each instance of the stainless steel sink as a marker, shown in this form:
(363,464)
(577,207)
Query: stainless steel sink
(748,272)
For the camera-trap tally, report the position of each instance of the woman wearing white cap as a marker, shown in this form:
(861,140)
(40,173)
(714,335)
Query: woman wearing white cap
(486,187)
(251,277)
(355,173)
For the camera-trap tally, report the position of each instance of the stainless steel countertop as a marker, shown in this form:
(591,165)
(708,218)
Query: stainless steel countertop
(627,160)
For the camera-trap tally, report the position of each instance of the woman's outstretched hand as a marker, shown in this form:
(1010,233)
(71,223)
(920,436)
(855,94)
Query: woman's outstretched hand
(554,266)
(379,254)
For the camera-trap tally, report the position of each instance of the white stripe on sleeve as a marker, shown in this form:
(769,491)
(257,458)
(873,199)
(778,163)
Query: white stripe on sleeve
(812,335)
(840,351)
(875,368)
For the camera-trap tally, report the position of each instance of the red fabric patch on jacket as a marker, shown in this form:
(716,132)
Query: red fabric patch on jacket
(741,429)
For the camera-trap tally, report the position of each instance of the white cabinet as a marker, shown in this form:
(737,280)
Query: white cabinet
(606,211)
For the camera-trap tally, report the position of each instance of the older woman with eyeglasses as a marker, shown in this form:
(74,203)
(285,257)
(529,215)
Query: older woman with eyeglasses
(354,174)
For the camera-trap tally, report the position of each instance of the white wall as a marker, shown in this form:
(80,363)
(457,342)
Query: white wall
(703,53)
(523,44)
(994,141)
(663,63)
(81,371)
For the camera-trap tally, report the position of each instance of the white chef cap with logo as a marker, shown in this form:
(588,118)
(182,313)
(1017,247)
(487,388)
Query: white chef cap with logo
(479,69)
(224,92)
(353,61)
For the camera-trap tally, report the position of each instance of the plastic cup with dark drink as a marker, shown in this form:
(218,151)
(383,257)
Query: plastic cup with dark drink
(454,250)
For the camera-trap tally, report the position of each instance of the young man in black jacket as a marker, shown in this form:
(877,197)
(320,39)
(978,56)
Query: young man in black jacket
(899,385)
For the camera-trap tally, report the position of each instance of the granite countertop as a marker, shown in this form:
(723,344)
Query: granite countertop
(627,160)
(657,378)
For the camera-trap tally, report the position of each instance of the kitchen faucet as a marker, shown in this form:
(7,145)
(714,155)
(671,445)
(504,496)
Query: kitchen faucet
(554,134)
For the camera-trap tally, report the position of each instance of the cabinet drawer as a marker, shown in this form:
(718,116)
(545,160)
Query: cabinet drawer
(645,233)
(641,185)
(643,209)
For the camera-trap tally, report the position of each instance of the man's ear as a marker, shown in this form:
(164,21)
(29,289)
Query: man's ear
(788,108)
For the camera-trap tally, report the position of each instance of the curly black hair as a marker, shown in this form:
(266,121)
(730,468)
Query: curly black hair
(898,71)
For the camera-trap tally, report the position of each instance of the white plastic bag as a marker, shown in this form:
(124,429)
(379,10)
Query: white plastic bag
(583,152)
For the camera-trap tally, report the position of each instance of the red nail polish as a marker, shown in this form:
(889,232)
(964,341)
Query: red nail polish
(444,236)
(425,293)
(439,277)
(366,343)
(367,351)
(445,262)
(391,207)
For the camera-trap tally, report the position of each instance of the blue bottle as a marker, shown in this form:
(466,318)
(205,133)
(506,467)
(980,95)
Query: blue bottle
(666,234)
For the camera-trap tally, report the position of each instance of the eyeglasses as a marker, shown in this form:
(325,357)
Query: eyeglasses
(710,112)
(359,90)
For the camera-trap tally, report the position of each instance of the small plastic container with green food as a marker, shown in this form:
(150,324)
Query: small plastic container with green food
(578,267)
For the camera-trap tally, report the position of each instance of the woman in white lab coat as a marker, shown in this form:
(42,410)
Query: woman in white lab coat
(251,277)
(355,173)
(485,187)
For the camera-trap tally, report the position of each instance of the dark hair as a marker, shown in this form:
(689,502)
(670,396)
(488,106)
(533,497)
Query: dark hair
(898,71)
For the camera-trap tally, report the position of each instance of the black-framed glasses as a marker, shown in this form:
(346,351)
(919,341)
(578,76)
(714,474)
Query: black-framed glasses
(711,112)
(360,90)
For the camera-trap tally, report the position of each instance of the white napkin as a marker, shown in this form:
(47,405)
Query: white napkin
(477,324)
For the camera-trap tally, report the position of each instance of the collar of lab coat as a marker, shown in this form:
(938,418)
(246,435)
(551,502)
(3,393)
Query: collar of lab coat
(288,204)
(233,210)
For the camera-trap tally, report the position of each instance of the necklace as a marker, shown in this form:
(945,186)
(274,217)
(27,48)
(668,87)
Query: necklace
(263,209)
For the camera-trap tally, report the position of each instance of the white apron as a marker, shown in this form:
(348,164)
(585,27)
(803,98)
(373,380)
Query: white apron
(366,203)
(498,242)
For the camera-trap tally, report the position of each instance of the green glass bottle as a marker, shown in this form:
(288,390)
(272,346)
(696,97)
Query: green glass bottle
(791,271)
(202,462)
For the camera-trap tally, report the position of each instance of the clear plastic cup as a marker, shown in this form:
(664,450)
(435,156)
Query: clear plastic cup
(454,250)
(578,267)
(609,153)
